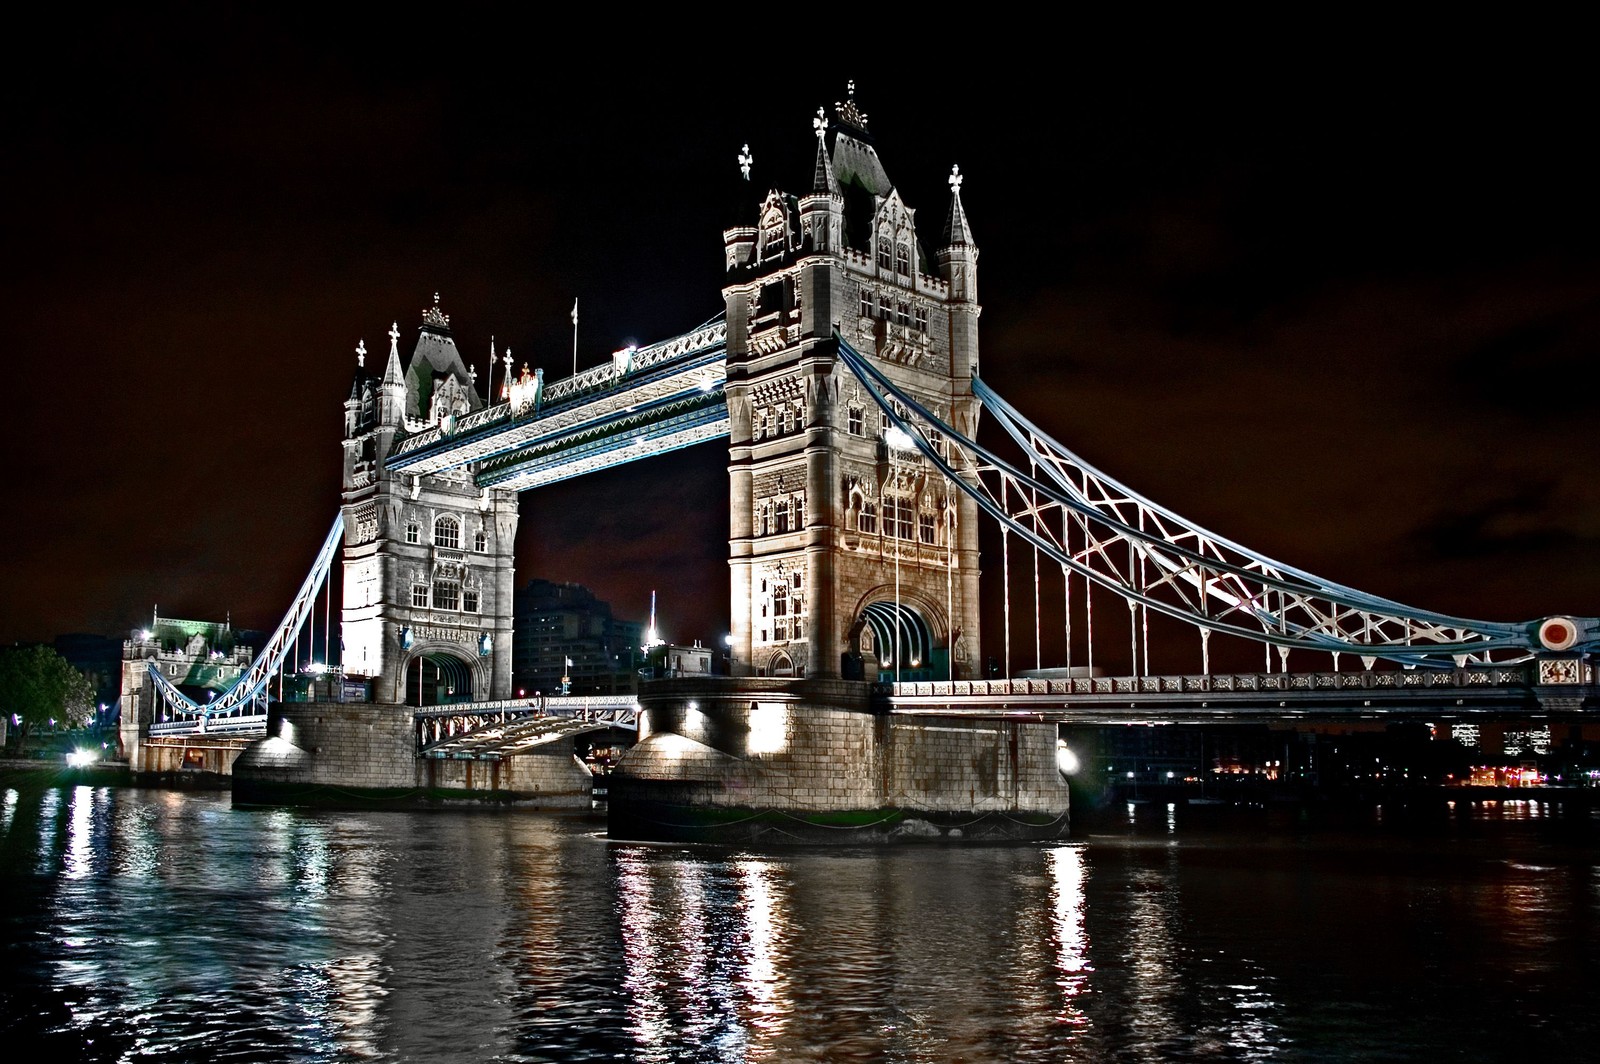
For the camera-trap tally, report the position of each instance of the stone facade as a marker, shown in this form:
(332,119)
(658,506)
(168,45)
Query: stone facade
(338,753)
(428,560)
(783,760)
(827,519)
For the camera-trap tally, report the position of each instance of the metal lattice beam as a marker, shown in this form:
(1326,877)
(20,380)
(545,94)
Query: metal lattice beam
(1095,527)
(252,682)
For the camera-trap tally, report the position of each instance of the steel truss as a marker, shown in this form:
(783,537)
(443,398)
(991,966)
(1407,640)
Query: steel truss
(249,691)
(1095,527)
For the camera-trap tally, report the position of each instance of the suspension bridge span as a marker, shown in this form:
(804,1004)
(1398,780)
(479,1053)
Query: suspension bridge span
(843,371)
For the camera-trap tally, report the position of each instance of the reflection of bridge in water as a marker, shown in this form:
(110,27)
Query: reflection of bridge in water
(844,373)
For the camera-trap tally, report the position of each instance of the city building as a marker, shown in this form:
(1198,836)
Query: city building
(565,635)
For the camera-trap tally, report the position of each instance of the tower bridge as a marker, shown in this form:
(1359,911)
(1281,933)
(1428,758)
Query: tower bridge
(843,369)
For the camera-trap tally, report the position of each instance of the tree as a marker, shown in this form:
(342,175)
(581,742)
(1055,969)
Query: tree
(38,686)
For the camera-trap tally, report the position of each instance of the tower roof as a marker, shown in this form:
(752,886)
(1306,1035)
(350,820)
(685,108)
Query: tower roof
(956,232)
(434,360)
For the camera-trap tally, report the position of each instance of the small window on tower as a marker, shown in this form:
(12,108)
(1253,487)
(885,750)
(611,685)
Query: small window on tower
(419,596)
(480,541)
(447,533)
(885,256)
(922,319)
(902,258)
(855,421)
(469,600)
(866,303)
(413,533)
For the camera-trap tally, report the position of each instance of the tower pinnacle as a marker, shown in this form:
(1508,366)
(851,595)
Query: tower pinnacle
(956,232)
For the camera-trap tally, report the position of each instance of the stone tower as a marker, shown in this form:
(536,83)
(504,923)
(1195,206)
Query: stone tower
(851,557)
(428,560)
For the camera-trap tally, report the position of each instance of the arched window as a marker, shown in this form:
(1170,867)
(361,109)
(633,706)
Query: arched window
(855,421)
(867,522)
(447,533)
(902,258)
(469,600)
(885,256)
(480,541)
(413,533)
(446,595)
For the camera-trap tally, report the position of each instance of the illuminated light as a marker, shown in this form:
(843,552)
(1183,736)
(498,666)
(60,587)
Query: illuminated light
(769,728)
(1066,761)
(898,439)
(80,758)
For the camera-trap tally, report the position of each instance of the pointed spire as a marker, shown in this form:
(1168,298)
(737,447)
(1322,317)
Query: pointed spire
(956,232)
(393,372)
(823,180)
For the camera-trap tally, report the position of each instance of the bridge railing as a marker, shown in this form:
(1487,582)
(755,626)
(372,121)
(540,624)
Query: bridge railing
(240,724)
(439,724)
(1288,682)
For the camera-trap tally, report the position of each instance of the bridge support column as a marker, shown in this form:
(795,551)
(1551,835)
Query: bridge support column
(772,762)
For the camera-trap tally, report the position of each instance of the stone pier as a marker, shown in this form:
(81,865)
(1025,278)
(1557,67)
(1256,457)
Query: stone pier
(365,754)
(776,761)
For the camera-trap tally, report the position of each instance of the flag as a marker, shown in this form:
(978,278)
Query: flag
(569,663)
(574,310)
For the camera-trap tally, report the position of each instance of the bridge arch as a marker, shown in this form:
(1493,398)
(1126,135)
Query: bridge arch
(910,628)
(441,673)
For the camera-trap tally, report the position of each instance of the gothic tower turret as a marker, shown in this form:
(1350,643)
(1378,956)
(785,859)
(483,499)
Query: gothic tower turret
(428,559)
(850,557)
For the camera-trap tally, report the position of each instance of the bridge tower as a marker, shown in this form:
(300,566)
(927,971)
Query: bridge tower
(428,559)
(851,557)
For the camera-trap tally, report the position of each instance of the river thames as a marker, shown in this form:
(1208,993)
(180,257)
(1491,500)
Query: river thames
(169,925)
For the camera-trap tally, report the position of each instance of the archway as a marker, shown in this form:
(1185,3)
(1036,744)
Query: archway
(438,677)
(894,643)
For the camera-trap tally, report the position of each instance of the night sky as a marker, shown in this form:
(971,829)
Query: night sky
(1341,311)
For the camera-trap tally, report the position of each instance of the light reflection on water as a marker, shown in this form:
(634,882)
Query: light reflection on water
(165,923)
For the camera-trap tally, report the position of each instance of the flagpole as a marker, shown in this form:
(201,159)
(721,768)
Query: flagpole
(574,336)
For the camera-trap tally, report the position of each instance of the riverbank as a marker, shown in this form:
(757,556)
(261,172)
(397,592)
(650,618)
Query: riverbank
(40,772)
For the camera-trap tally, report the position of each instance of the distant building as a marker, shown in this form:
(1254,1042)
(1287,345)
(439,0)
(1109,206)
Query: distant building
(563,630)
(687,660)
(200,658)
